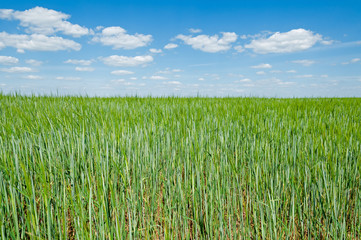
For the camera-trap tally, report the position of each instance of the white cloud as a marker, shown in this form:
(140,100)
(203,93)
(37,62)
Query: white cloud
(34,62)
(121,80)
(261,73)
(292,41)
(68,78)
(235,75)
(170,46)
(128,84)
(285,83)
(193,30)
(173,83)
(169,71)
(324,76)
(211,44)
(133,78)
(327,42)
(124,61)
(291,71)
(153,50)
(121,72)
(44,21)
(201,79)
(84,69)
(8,60)
(118,38)
(17,69)
(33,77)
(36,42)
(275,71)
(304,76)
(79,62)
(263,65)
(354,60)
(239,48)
(245,80)
(304,62)
(157,77)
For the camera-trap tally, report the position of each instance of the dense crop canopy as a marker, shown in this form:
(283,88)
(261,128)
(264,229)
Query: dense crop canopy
(179,168)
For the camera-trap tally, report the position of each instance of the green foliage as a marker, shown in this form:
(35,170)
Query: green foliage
(179,168)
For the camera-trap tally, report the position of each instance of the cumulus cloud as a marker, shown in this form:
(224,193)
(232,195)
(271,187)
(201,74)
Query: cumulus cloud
(260,73)
(170,46)
(124,61)
(84,69)
(211,44)
(8,60)
(263,65)
(304,62)
(36,42)
(44,21)
(34,62)
(292,41)
(79,62)
(118,38)
(121,72)
(153,50)
(17,69)
(200,79)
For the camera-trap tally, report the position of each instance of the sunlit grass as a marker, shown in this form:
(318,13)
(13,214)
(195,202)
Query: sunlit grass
(179,168)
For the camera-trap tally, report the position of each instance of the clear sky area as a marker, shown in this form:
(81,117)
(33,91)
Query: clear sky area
(181,48)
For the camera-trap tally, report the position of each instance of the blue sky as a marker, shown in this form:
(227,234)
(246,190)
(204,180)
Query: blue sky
(183,48)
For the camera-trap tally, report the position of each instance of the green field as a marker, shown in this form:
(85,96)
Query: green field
(179,168)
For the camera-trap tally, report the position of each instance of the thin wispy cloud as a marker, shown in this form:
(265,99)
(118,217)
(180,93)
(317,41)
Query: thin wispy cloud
(304,62)
(17,70)
(125,61)
(262,65)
